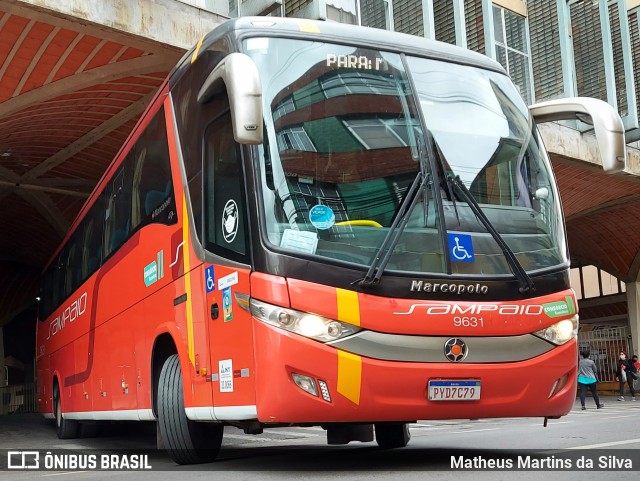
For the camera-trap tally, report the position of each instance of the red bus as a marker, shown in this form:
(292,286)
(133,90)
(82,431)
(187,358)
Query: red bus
(319,224)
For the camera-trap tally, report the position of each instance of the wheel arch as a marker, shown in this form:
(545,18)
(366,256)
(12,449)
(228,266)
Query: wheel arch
(163,347)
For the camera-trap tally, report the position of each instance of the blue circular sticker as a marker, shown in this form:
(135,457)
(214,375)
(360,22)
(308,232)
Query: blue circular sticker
(322,217)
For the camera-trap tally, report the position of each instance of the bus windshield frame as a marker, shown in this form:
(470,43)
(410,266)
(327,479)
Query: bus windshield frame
(346,131)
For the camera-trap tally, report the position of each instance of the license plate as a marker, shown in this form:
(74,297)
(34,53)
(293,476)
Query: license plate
(458,390)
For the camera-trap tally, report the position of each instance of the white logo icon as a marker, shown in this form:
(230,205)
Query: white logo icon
(460,252)
(23,460)
(230,221)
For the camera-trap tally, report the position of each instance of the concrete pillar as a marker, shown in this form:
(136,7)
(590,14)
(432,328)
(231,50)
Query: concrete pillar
(633,306)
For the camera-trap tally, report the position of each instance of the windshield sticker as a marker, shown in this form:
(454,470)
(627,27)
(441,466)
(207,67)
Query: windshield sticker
(461,247)
(227,304)
(230,221)
(300,240)
(258,44)
(322,217)
(210,279)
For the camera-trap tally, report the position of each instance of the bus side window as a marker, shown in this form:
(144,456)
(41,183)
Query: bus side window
(153,199)
(92,251)
(118,212)
(46,294)
(73,265)
(226,217)
(59,277)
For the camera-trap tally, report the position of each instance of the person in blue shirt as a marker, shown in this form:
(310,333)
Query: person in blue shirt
(587,379)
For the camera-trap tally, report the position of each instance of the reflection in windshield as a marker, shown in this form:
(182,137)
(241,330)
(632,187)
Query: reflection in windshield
(484,134)
(340,152)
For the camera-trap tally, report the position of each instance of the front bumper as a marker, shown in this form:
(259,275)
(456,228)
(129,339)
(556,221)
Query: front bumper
(370,390)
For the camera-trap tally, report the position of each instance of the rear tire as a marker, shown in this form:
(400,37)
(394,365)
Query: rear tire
(186,441)
(65,428)
(392,435)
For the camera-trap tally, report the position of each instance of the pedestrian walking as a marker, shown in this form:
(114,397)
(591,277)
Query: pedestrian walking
(623,375)
(633,371)
(587,378)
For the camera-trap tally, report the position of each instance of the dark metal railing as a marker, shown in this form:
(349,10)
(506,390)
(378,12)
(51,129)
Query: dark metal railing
(21,398)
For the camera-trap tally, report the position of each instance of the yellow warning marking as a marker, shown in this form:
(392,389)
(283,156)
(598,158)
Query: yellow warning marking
(348,306)
(197,50)
(308,26)
(187,279)
(349,375)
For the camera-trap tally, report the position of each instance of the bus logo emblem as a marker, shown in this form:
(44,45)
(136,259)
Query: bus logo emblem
(455,349)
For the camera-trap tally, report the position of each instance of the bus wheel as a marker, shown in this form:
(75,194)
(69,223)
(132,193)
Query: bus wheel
(66,428)
(392,435)
(186,441)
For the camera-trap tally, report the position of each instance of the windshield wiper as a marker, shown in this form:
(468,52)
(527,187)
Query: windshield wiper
(383,254)
(526,284)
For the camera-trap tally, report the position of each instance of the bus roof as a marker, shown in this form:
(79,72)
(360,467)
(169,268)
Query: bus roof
(341,33)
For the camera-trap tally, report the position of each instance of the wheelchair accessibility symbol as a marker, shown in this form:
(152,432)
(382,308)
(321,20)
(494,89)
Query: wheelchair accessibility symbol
(461,247)
(209,278)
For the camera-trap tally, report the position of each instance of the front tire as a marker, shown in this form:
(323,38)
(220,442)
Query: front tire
(392,435)
(65,428)
(186,441)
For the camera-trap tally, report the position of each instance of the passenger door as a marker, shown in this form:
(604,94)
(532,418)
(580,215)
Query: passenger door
(227,273)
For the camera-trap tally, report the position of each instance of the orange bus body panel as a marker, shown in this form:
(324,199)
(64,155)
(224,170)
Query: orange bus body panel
(396,391)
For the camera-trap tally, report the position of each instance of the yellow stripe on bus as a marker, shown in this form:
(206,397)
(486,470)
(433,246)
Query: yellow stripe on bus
(197,50)
(348,306)
(349,376)
(187,279)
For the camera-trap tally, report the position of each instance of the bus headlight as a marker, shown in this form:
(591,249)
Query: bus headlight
(560,332)
(303,323)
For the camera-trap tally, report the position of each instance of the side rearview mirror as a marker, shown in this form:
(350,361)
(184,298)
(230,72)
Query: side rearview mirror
(239,74)
(607,125)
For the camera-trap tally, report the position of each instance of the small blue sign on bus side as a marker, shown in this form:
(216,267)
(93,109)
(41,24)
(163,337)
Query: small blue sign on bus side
(209,279)
(461,247)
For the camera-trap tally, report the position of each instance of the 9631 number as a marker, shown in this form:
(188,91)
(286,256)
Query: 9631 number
(464,321)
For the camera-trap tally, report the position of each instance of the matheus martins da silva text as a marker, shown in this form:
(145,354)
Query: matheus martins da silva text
(550,462)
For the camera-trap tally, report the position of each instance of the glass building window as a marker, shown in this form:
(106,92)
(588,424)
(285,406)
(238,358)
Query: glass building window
(602,56)
(512,49)
(589,282)
(376,13)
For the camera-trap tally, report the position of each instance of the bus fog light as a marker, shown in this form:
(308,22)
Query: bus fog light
(324,390)
(306,383)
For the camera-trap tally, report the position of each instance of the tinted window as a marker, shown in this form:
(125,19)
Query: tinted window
(92,252)
(226,217)
(118,211)
(153,198)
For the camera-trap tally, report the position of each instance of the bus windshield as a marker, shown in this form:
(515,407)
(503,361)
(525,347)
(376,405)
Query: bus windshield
(345,130)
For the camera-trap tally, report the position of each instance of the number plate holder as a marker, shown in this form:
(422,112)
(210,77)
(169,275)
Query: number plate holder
(454,390)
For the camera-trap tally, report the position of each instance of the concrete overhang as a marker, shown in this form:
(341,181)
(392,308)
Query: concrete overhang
(74,78)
